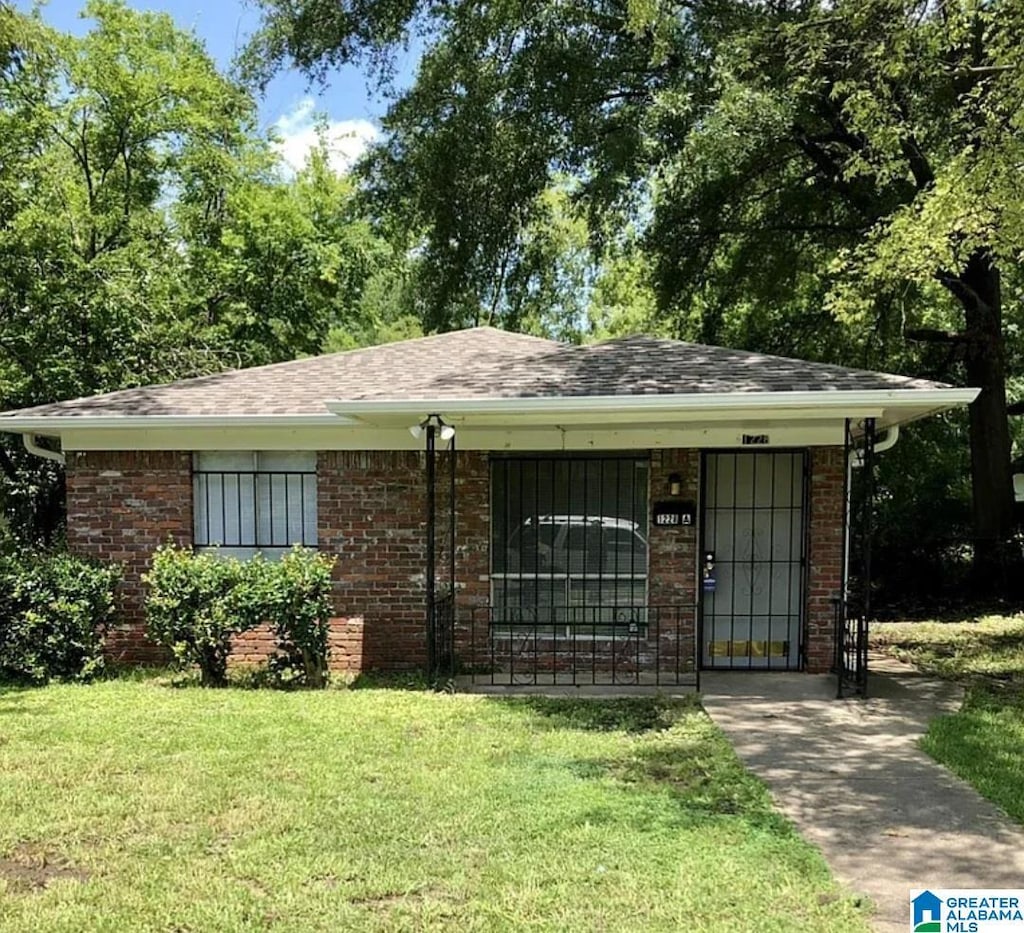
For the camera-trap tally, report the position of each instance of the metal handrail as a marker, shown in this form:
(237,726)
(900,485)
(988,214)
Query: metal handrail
(651,644)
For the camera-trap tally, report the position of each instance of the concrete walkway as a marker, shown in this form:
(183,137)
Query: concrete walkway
(850,775)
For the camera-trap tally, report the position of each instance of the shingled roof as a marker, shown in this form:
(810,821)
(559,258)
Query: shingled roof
(480,363)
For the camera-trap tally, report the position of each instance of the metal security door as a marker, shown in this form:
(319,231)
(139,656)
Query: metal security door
(753,593)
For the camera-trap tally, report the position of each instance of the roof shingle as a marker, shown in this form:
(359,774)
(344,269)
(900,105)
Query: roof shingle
(479,363)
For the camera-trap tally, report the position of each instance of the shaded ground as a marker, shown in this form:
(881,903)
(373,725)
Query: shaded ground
(983,741)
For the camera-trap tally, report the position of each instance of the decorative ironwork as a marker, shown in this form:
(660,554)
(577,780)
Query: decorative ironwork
(580,646)
(753,538)
(442,628)
(568,534)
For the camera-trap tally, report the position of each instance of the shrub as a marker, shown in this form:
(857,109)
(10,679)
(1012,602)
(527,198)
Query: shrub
(54,611)
(197,603)
(298,607)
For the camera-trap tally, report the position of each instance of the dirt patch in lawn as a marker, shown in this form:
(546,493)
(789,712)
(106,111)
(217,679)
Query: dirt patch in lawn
(31,867)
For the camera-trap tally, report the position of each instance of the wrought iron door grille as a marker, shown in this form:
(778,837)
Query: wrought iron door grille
(752,599)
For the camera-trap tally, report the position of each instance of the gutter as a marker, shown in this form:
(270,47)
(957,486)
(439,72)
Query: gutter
(892,435)
(52,425)
(350,412)
(31,445)
(688,401)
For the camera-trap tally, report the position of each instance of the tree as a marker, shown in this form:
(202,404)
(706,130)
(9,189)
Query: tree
(149,231)
(835,176)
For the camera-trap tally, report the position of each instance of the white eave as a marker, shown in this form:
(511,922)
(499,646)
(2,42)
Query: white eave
(887,404)
(890,406)
(793,419)
(52,425)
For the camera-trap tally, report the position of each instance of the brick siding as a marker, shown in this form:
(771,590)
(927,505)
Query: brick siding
(122,505)
(672,560)
(372,516)
(825,555)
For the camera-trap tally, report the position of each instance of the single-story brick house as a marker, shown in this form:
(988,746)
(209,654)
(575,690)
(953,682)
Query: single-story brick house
(652,504)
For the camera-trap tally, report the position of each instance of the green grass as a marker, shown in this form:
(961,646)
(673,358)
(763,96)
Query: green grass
(131,805)
(984,742)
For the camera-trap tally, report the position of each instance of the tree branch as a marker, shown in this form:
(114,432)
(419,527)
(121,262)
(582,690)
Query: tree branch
(931,335)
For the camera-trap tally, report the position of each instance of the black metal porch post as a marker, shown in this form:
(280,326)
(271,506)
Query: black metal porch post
(450,639)
(868,519)
(430,531)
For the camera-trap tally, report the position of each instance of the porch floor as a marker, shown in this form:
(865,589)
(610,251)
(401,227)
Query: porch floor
(780,686)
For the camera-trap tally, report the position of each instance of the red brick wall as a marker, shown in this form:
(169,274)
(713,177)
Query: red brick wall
(372,517)
(825,554)
(672,572)
(121,506)
(473,530)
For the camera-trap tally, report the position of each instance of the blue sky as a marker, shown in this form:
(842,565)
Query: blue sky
(290,104)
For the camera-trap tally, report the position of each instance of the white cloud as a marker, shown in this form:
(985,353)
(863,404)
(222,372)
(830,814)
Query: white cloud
(347,140)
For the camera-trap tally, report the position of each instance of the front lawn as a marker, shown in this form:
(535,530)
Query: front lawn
(138,806)
(984,742)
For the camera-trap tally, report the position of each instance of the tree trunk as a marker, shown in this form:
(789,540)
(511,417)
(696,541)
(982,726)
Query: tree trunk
(978,289)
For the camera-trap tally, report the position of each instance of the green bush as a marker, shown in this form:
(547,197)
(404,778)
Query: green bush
(198,602)
(54,611)
(298,604)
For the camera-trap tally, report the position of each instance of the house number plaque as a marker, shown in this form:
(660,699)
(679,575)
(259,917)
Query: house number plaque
(675,514)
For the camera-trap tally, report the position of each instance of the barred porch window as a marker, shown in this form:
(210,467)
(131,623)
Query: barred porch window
(246,502)
(569,541)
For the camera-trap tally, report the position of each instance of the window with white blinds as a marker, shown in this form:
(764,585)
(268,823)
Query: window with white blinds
(249,501)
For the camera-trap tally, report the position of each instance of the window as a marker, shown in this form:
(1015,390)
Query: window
(249,501)
(569,541)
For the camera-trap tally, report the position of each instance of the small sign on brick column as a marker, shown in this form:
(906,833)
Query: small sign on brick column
(675,514)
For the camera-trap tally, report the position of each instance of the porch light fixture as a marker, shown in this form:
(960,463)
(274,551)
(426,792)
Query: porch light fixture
(675,485)
(444,430)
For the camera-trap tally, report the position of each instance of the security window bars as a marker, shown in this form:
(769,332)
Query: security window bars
(569,543)
(249,501)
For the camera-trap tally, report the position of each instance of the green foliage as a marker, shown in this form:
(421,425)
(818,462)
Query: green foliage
(816,179)
(198,602)
(296,601)
(149,231)
(54,609)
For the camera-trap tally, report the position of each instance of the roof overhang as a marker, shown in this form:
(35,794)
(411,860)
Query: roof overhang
(792,419)
(888,407)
